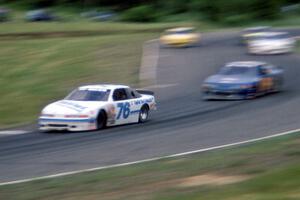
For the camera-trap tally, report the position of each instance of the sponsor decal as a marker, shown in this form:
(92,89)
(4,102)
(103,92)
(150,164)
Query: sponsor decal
(138,102)
(124,110)
(266,84)
(111,114)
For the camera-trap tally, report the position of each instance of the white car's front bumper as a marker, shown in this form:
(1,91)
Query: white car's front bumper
(61,124)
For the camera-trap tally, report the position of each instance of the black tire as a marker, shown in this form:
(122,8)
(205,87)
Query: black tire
(101,120)
(144,114)
(45,131)
(277,86)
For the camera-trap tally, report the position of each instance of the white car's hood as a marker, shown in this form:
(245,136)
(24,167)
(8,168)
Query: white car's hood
(66,107)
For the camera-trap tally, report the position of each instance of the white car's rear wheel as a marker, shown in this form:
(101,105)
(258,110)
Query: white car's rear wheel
(144,114)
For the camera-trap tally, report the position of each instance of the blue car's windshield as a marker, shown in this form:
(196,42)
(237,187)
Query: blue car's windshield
(237,70)
(88,95)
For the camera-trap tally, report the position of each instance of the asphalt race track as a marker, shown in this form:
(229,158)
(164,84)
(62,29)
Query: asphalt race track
(183,122)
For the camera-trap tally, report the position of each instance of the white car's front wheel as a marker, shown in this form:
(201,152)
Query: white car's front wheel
(101,120)
(144,114)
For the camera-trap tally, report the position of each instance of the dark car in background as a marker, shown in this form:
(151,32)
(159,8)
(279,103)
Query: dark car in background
(39,15)
(4,14)
(243,80)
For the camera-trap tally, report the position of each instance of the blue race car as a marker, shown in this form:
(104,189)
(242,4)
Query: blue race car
(243,80)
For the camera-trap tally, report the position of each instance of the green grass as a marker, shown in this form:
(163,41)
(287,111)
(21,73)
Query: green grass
(116,27)
(37,71)
(285,21)
(298,46)
(42,62)
(266,170)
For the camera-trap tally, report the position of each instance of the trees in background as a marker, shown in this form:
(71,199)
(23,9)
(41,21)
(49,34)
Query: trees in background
(151,10)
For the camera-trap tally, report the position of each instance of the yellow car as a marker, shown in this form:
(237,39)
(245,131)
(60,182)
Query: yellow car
(180,37)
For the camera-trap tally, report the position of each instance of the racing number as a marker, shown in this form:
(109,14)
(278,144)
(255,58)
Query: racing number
(124,110)
(266,83)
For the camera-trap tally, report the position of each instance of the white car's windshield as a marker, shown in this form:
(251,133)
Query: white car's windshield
(270,37)
(88,95)
(256,30)
(237,70)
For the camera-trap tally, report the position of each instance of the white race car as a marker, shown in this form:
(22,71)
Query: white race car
(271,43)
(94,107)
(250,32)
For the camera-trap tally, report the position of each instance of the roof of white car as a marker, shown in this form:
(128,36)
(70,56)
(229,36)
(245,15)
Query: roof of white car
(245,63)
(257,28)
(102,87)
(263,34)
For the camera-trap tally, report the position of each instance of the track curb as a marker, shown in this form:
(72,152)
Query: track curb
(149,61)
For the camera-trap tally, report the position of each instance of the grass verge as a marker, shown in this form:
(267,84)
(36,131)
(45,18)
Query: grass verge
(266,170)
(298,46)
(14,27)
(41,62)
(37,71)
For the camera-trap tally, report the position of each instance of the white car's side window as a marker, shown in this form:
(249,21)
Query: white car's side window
(133,94)
(120,95)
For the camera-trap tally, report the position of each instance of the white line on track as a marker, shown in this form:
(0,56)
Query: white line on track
(151,159)
(13,132)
